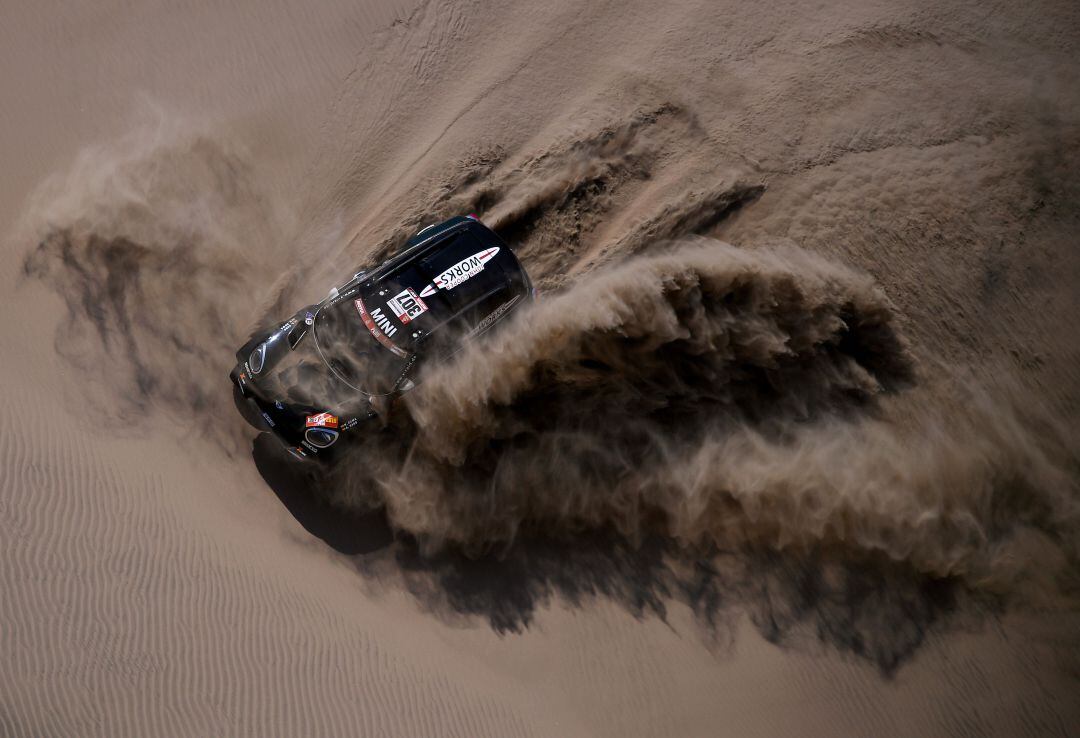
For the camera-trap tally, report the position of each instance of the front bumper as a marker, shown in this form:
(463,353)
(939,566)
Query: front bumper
(288,421)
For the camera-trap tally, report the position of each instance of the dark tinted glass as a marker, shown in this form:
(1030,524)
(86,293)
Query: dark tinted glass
(352,353)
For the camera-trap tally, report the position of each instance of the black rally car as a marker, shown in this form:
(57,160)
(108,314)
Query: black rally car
(315,379)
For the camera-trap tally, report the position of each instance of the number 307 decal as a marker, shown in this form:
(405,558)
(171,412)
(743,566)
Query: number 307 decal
(460,272)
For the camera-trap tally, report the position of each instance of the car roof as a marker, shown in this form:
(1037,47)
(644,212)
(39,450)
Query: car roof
(448,279)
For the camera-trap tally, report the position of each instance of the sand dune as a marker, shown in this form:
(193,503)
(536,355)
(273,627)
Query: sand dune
(789,447)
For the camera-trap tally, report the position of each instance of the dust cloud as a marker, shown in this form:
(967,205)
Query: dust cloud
(158,245)
(733,398)
(728,398)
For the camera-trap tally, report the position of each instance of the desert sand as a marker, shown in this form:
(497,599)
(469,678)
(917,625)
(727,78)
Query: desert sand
(789,445)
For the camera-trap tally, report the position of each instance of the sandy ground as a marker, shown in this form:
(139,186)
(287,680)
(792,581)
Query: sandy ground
(874,536)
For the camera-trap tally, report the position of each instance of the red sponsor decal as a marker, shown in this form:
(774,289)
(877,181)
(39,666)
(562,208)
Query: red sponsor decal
(322,420)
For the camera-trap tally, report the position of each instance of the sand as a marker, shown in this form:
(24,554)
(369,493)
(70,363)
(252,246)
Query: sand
(876,537)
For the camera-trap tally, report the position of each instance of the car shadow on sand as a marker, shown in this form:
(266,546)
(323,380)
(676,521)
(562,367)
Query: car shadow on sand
(876,610)
(347,532)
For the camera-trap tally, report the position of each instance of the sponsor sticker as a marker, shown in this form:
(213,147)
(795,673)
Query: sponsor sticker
(489,321)
(341,297)
(377,321)
(383,321)
(379,325)
(322,420)
(463,271)
(268,419)
(407,305)
(404,376)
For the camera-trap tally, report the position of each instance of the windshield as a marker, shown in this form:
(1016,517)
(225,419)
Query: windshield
(347,339)
(300,377)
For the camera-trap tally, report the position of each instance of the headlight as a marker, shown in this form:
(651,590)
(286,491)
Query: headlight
(320,437)
(258,356)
